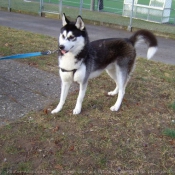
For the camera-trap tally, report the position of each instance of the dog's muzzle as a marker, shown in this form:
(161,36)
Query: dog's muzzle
(61,48)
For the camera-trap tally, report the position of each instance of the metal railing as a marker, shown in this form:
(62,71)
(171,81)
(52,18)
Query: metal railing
(103,11)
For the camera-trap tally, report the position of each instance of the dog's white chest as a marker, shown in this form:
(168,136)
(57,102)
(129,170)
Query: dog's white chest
(66,76)
(67,61)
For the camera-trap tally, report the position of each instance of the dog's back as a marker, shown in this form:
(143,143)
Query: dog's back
(112,50)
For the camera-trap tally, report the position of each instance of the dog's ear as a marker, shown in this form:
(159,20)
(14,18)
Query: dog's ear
(79,23)
(65,21)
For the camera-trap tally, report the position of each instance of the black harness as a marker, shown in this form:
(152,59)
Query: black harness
(64,70)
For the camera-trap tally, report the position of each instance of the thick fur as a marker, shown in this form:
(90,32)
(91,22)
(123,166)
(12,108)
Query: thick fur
(80,60)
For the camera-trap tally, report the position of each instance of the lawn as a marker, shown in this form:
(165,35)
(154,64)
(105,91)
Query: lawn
(113,6)
(95,17)
(133,140)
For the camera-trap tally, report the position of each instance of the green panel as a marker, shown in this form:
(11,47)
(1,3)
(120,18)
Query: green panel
(143,2)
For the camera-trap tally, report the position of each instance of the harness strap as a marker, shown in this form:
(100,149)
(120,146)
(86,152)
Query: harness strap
(73,70)
(64,70)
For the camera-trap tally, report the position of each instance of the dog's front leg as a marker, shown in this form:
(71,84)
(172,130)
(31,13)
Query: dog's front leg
(64,91)
(80,98)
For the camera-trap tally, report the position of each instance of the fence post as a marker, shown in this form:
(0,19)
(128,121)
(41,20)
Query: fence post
(131,15)
(92,8)
(98,5)
(81,5)
(60,7)
(9,6)
(41,8)
(40,12)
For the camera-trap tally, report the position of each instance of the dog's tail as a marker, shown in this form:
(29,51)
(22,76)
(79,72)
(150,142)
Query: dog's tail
(148,38)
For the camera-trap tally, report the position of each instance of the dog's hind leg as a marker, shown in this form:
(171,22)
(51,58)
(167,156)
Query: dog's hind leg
(80,98)
(122,78)
(113,74)
(64,91)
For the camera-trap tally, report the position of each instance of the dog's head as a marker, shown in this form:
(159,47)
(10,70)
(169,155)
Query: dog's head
(72,36)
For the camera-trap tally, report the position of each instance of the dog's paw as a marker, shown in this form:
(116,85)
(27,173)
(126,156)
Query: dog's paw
(56,110)
(76,111)
(112,93)
(114,108)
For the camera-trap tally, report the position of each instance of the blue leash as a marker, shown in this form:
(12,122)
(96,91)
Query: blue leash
(26,55)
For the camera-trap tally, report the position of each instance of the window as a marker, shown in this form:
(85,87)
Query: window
(143,2)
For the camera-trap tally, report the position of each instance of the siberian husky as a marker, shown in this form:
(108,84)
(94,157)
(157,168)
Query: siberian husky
(80,60)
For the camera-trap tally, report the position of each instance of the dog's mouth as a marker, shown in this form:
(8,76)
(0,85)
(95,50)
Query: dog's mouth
(65,51)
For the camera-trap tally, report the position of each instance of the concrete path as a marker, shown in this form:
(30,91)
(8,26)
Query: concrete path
(52,27)
(24,88)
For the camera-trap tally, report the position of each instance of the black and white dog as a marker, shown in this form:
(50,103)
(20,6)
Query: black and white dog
(80,60)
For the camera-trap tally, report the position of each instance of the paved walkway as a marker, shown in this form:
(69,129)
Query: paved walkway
(24,88)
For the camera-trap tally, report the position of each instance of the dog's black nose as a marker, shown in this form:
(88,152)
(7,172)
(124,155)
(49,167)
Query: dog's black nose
(61,47)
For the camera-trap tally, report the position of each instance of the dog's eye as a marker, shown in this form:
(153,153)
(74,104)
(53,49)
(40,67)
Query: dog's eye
(63,36)
(72,37)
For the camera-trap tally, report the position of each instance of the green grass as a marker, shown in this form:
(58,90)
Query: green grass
(113,6)
(96,18)
(173,105)
(12,42)
(98,140)
(169,132)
